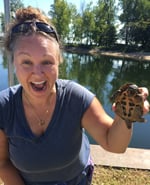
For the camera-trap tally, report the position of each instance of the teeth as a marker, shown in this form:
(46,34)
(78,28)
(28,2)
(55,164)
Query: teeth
(38,83)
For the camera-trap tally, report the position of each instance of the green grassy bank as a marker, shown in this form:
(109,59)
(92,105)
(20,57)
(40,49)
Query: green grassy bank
(120,176)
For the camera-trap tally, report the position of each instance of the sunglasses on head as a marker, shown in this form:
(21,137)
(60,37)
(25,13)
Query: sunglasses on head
(40,26)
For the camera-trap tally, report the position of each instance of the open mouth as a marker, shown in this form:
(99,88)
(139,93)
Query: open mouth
(38,86)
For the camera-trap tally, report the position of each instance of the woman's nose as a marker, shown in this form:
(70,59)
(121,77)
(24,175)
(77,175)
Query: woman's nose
(37,69)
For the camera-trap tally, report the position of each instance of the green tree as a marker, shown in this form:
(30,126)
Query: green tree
(71,36)
(77,29)
(136,19)
(104,23)
(141,27)
(95,24)
(61,17)
(2,22)
(88,24)
(82,24)
(14,5)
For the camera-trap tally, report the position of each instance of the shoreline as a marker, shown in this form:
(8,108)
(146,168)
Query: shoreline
(140,56)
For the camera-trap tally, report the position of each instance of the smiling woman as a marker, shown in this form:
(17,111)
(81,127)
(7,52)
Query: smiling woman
(36,65)
(44,117)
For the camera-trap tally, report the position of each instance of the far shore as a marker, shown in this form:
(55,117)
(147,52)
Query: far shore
(140,56)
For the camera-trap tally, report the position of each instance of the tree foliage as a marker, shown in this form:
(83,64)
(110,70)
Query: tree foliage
(105,31)
(14,5)
(2,22)
(136,19)
(94,24)
(61,13)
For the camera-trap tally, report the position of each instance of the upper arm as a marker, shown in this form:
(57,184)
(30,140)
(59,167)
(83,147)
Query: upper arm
(97,122)
(3,148)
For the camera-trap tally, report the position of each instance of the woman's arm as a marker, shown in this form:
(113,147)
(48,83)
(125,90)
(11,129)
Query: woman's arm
(8,172)
(112,134)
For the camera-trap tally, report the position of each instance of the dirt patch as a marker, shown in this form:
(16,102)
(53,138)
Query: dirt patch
(142,56)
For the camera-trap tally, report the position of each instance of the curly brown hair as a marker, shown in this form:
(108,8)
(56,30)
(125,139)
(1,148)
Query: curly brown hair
(26,15)
(30,13)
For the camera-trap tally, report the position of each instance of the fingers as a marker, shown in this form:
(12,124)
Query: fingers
(146,107)
(113,107)
(144,92)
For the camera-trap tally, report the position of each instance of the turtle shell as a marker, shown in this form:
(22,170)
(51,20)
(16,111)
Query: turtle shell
(129,103)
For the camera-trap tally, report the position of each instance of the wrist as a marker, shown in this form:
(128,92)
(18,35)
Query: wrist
(127,123)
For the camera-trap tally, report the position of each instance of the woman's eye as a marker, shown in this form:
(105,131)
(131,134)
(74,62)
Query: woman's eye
(46,62)
(27,62)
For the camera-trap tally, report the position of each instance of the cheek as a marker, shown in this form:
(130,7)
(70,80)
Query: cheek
(20,74)
(53,73)
(53,70)
(57,70)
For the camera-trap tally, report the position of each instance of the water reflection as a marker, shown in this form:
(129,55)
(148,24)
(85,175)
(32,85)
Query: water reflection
(102,75)
(88,71)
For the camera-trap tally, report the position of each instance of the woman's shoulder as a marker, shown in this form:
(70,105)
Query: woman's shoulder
(8,99)
(10,92)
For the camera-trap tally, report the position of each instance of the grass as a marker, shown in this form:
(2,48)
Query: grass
(120,176)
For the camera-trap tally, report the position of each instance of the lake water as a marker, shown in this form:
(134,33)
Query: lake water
(102,75)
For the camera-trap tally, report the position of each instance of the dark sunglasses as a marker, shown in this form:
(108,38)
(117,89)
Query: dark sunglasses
(40,26)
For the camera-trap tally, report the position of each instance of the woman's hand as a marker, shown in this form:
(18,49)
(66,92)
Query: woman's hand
(145,93)
(129,107)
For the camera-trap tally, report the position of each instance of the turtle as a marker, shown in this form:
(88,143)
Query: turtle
(129,103)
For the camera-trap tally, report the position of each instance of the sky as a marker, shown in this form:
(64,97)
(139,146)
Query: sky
(45,4)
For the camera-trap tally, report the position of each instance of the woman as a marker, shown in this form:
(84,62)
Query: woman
(42,140)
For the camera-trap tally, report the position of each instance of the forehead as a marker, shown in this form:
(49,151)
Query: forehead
(36,43)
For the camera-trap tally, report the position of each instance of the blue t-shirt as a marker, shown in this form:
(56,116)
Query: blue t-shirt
(62,152)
